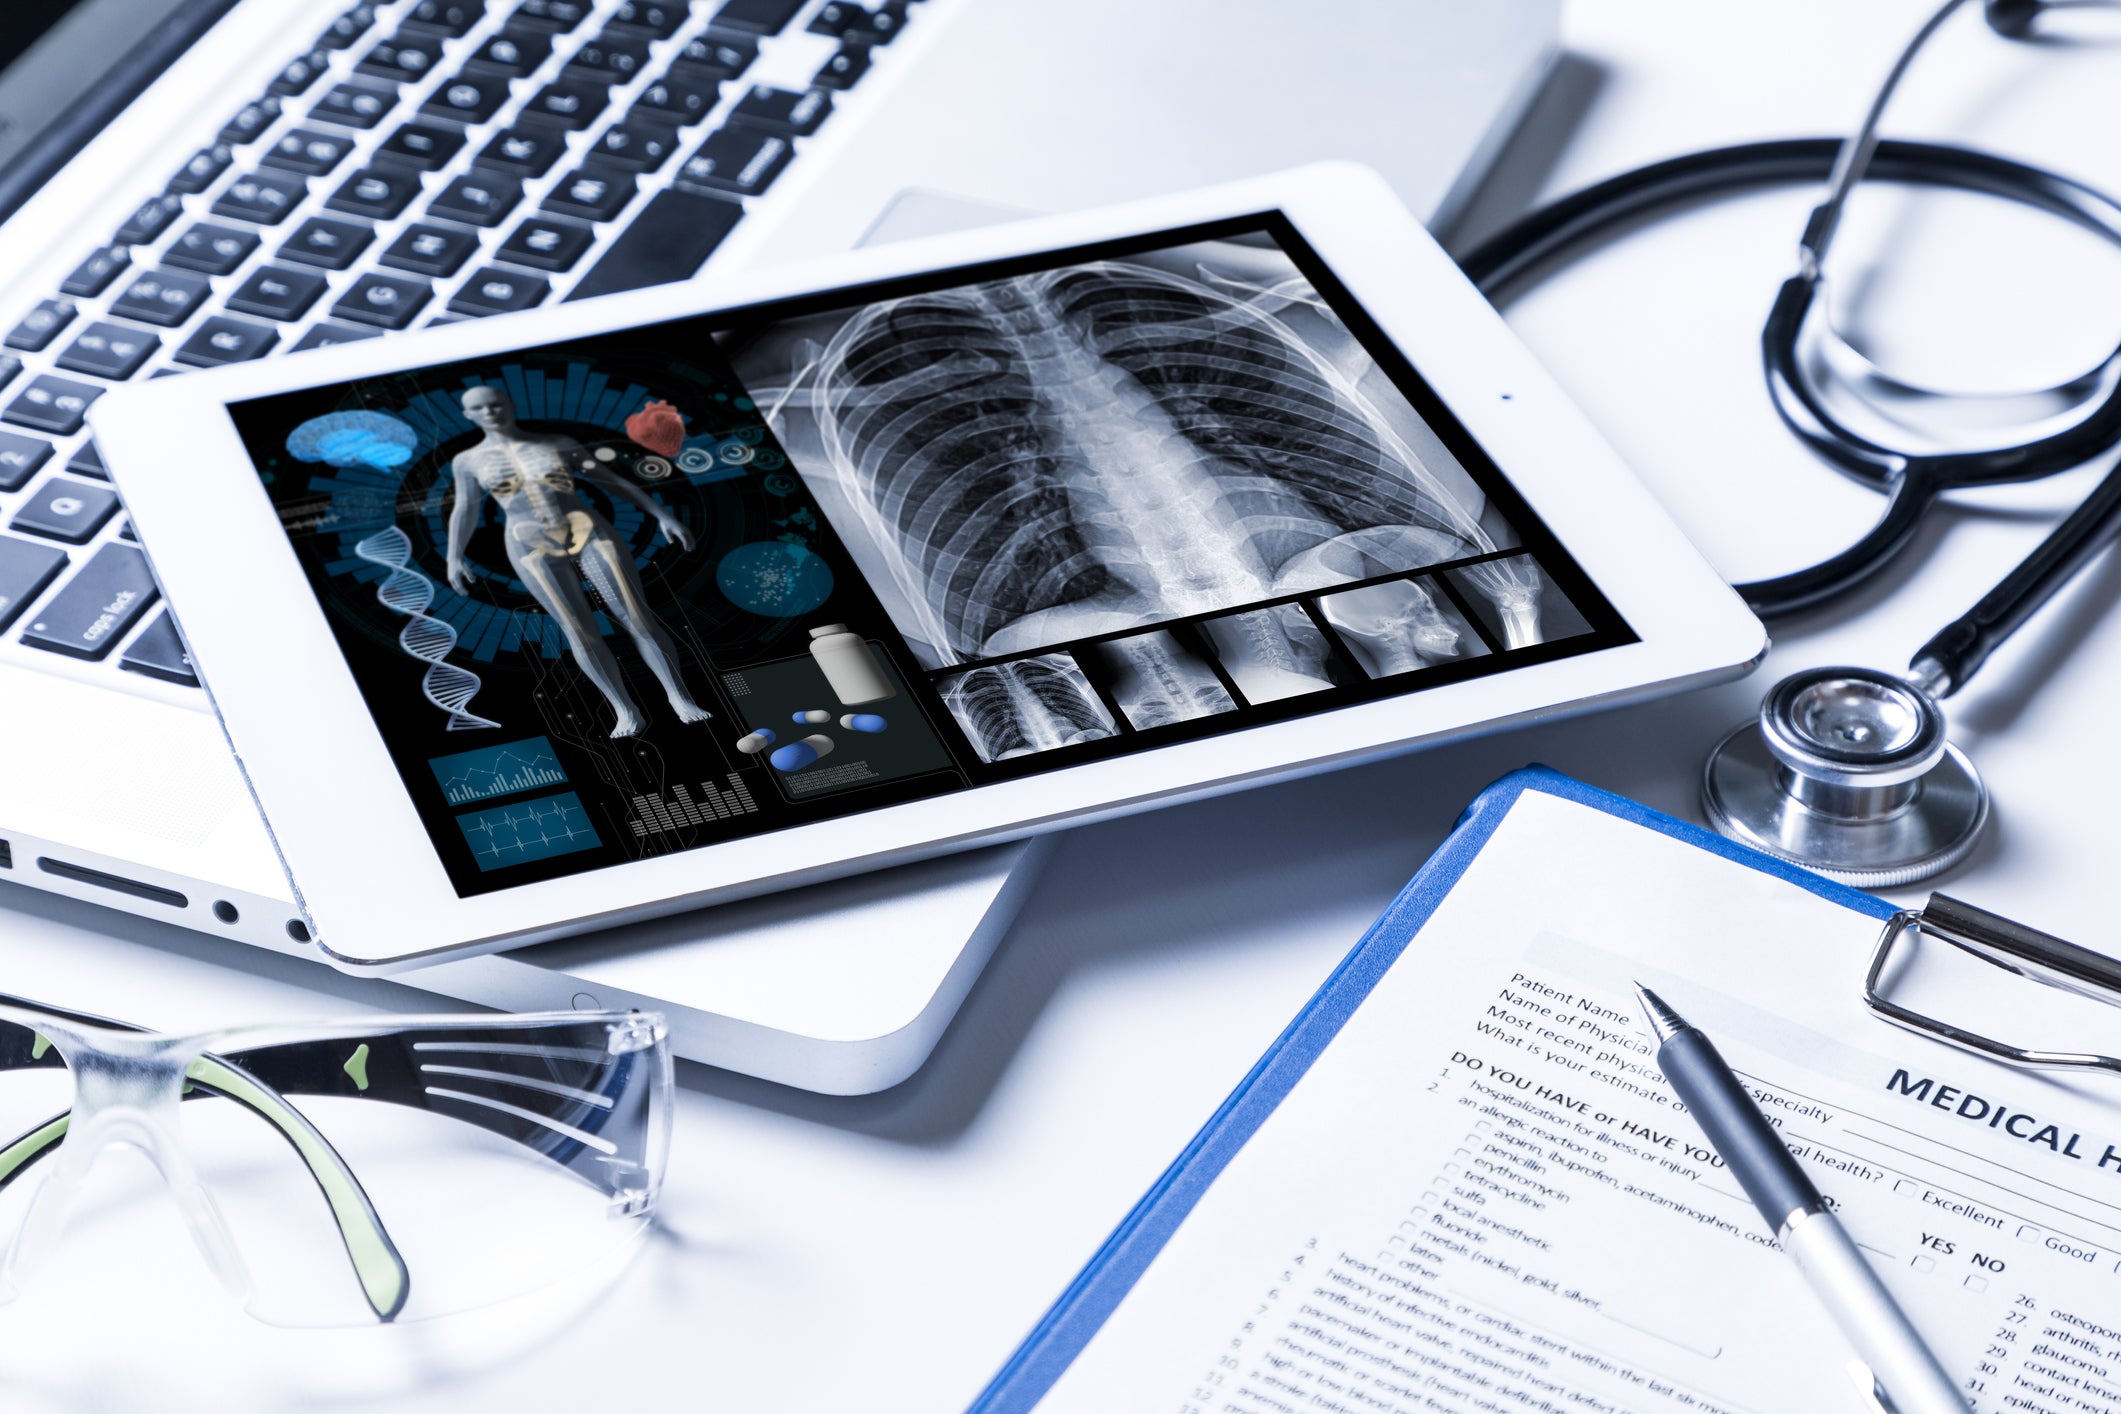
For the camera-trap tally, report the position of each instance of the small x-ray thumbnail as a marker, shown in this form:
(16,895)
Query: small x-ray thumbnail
(1518,602)
(1157,680)
(1030,705)
(1272,653)
(1400,626)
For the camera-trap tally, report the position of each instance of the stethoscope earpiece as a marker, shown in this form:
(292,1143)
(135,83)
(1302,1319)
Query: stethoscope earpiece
(1847,772)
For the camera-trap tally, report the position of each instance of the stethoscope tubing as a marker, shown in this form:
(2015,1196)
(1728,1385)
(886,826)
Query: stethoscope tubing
(1912,483)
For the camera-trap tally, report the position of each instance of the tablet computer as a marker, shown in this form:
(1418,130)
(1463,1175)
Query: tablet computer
(538,624)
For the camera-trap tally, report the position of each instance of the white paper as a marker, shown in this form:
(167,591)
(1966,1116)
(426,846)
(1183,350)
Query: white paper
(1484,1197)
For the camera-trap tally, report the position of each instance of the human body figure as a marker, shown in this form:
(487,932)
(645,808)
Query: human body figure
(555,541)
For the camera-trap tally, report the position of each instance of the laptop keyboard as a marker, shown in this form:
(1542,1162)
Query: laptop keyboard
(417,163)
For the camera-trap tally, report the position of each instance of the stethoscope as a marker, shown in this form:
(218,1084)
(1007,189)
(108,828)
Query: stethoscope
(1847,770)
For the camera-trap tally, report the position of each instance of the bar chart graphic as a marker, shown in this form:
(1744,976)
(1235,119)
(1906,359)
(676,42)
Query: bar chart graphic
(654,814)
(472,776)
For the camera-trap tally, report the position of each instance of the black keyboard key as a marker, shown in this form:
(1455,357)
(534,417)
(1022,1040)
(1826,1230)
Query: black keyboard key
(453,18)
(644,147)
(570,103)
(835,19)
(222,340)
(378,193)
(472,96)
(843,69)
(65,509)
(681,99)
(723,56)
(740,160)
(276,292)
(326,335)
(354,105)
(211,249)
(478,199)
(51,404)
(198,174)
(423,146)
(524,152)
(300,74)
(382,300)
(492,291)
(756,16)
(669,239)
(10,369)
(553,16)
(95,608)
(612,57)
(113,351)
(307,151)
(349,27)
(327,244)
(93,275)
(436,251)
(41,325)
(659,19)
(592,193)
(159,652)
(147,224)
(515,51)
(164,297)
(26,568)
(88,461)
(262,197)
(784,111)
(546,244)
(20,457)
(250,122)
(879,25)
(403,58)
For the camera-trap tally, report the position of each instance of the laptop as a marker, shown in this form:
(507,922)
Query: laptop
(254,178)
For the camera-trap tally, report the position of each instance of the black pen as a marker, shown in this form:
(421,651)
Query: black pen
(1899,1362)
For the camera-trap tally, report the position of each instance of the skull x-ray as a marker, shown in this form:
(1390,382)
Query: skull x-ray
(1072,452)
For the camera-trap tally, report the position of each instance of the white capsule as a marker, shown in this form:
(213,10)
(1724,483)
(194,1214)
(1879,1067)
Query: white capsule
(864,722)
(815,717)
(755,743)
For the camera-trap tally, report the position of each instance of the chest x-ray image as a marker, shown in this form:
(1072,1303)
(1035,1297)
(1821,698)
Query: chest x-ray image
(1025,462)
(555,541)
(1032,705)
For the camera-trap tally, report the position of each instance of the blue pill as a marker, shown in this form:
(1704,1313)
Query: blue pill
(864,722)
(755,743)
(815,717)
(798,754)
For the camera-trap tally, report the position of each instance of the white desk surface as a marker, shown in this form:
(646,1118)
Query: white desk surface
(886,1253)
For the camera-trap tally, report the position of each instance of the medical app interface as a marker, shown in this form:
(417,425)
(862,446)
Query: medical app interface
(652,590)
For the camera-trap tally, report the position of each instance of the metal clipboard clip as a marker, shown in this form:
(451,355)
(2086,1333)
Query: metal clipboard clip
(2025,952)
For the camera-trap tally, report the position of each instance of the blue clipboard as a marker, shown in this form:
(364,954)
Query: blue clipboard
(1097,1290)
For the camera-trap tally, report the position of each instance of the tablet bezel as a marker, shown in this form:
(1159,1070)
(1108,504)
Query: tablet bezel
(358,854)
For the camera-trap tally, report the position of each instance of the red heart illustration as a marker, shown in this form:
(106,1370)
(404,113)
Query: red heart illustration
(658,428)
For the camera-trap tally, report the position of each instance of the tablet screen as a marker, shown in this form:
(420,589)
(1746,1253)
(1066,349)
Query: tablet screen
(648,591)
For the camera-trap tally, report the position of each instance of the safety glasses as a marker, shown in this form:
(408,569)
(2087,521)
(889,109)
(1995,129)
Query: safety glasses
(338,1173)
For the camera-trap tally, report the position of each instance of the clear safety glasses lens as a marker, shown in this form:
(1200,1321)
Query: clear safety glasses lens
(384,1172)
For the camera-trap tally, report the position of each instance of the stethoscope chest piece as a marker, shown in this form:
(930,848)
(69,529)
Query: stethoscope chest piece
(1846,772)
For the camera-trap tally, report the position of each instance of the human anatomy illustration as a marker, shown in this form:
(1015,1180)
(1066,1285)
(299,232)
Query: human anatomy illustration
(555,541)
(1113,444)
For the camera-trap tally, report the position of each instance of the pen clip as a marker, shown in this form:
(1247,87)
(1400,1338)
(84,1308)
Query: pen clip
(1867,1385)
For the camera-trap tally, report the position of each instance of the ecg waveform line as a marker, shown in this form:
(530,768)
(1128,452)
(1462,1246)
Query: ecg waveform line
(534,829)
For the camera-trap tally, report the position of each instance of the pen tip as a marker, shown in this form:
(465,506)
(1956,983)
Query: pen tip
(1664,1022)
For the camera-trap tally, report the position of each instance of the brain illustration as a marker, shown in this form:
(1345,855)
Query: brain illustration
(371,439)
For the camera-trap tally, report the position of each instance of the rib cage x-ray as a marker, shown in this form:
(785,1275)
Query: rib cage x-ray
(1037,704)
(1029,461)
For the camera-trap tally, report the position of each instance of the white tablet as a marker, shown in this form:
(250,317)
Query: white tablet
(539,624)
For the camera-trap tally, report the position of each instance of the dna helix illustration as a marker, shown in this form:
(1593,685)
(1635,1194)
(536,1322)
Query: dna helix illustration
(406,591)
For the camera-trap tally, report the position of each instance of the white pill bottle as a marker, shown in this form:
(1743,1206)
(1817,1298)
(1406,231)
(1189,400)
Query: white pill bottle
(849,666)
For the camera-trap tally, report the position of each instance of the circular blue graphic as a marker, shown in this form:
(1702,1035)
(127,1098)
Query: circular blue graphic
(774,578)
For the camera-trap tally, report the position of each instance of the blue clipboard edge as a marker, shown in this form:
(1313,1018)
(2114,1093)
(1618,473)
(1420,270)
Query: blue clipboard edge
(1097,1290)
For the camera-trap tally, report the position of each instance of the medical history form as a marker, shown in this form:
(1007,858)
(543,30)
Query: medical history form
(1459,1183)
